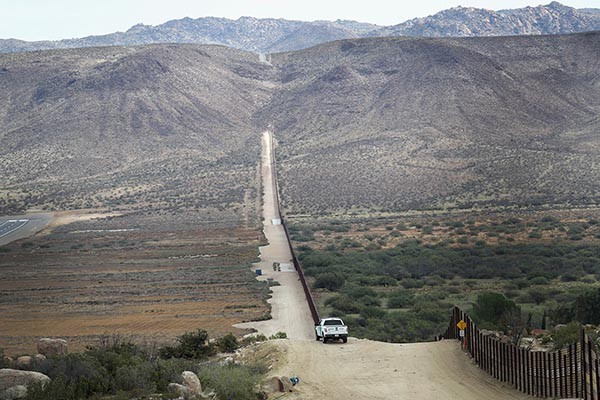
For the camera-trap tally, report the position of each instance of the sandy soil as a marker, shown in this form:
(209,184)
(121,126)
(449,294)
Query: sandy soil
(290,310)
(363,369)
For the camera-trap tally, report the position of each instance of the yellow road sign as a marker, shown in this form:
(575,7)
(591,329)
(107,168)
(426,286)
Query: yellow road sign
(461,325)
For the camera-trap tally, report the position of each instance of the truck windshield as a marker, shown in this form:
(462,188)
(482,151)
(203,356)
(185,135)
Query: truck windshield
(334,322)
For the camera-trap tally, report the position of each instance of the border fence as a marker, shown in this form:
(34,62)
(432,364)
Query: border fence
(572,372)
(311,302)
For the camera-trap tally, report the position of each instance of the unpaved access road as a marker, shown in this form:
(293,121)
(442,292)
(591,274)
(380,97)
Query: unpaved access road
(359,369)
(364,369)
(289,308)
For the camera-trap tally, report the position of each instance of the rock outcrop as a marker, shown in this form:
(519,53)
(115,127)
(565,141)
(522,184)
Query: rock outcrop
(14,383)
(191,388)
(52,347)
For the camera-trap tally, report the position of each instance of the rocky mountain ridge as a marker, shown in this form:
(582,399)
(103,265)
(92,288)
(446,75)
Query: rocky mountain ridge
(270,35)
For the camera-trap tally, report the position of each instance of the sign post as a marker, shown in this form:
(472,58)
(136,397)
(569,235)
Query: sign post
(462,325)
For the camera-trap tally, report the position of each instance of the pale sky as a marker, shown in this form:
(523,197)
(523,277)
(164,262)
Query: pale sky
(60,19)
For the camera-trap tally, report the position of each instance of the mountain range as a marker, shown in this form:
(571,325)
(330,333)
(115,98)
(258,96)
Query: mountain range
(278,35)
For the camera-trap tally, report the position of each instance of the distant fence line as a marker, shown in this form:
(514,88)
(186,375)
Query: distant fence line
(309,299)
(567,373)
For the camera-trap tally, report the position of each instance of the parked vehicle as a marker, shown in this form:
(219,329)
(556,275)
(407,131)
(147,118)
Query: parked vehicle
(331,328)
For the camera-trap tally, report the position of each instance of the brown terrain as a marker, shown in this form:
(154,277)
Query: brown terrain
(110,276)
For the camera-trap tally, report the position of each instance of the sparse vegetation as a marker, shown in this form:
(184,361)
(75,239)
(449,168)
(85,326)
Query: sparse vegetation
(124,370)
(505,283)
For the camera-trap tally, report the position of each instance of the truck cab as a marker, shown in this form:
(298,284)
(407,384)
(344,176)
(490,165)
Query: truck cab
(331,328)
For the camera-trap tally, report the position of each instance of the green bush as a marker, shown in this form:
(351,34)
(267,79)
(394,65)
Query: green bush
(329,281)
(566,335)
(372,312)
(491,307)
(190,345)
(412,283)
(343,303)
(401,299)
(228,343)
(232,381)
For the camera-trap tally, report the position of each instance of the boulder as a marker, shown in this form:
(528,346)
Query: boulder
(52,347)
(39,357)
(191,388)
(13,393)
(287,384)
(24,362)
(273,385)
(180,390)
(13,377)
(191,381)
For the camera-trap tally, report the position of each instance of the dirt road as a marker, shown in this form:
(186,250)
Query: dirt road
(363,369)
(289,310)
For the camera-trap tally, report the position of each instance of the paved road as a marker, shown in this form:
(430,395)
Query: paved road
(289,307)
(8,227)
(17,227)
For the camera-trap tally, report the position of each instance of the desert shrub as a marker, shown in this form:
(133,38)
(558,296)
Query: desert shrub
(586,307)
(228,343)
(357,292)
(538,295)
(232,381)
(490,307)
(401,299)
(190,345)
(279,335)
(385,281)
(412,283)
(132,377)
(538,280)
(372,312)
(330,281)
(343,303)
(74,376)
(566,335)
(253,339)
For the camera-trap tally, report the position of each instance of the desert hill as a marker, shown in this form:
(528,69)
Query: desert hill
(147,125)
(414,123)
(378,123)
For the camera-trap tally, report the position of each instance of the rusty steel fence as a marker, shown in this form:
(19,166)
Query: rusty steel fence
(572,372)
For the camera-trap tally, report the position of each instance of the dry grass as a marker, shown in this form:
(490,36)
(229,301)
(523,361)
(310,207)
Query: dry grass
(87,279)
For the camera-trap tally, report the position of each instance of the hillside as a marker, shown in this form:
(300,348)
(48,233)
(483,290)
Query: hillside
(162,127)
(268,35)
(399,123)
(382,123)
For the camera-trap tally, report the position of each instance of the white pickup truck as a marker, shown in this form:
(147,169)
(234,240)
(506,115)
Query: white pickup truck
(331,328)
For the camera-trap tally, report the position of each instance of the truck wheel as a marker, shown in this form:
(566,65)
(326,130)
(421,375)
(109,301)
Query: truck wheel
(345,340)
(324,340)
(318,338)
